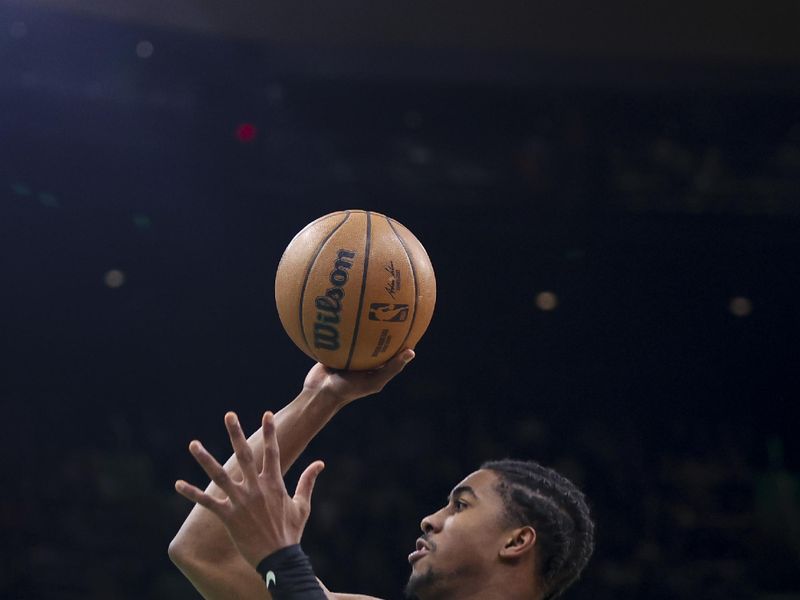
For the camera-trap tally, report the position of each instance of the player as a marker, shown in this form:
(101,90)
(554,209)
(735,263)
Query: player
(511,530)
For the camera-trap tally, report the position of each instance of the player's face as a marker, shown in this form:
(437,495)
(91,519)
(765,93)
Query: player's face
(462,541)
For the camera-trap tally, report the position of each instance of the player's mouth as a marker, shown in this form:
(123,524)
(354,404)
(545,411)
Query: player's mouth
(423,548)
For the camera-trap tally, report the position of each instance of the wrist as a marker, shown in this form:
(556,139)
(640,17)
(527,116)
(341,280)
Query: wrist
(259,553)
(325,398)
(288,575)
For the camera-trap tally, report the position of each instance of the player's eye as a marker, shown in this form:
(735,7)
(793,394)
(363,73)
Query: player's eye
(459,505)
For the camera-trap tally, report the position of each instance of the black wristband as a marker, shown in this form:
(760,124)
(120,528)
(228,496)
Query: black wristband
(289,576)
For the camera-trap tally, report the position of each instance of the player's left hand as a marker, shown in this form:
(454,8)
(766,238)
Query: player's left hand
(258,513)
(347,386)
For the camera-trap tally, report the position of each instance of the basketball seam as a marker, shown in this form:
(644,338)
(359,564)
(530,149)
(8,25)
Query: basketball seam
(314,222)
(308,272)
(363,290)
(414,277)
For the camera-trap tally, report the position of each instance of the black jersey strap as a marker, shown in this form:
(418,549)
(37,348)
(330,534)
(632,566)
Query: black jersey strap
(289,576)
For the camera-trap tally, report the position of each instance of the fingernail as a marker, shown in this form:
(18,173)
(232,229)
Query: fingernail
(408,357)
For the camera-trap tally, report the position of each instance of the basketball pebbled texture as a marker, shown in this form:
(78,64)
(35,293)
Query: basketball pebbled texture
(353,288)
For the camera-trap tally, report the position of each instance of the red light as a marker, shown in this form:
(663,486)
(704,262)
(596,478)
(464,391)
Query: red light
(246,132)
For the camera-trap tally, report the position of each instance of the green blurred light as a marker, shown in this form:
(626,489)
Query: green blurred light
(48,200)
(20,189)
(142,221)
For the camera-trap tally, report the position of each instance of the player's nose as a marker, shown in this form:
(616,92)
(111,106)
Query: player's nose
(430,524)
(425,525)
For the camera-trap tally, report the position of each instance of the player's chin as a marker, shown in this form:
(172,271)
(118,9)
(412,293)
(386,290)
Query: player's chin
(420,579)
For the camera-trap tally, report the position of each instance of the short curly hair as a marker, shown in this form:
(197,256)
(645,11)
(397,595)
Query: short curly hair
(543,498)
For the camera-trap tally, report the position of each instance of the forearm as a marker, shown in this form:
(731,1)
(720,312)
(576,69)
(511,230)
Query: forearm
(202,547)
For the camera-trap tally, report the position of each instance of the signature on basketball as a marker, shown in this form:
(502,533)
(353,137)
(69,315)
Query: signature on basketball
(393,285)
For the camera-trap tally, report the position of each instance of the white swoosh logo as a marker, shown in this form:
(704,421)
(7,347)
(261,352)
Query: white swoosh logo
(270,578)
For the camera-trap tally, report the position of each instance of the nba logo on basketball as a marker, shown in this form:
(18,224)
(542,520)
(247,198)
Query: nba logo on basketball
(393,313)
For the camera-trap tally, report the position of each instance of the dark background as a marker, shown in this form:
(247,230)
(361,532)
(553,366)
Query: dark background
(643,166)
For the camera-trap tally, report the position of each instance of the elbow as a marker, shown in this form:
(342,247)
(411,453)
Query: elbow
(192,548)
(178,552)
(187,555)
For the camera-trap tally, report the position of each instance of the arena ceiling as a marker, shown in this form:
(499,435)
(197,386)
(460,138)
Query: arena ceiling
(723,31)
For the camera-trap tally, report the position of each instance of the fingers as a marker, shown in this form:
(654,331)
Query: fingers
(272,453)
(396,364)
(190,492)
(212,468)
(240,446)
(305,485)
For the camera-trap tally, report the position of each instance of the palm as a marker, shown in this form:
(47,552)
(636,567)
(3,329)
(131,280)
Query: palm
(344,384)
(350,385)
(320,376)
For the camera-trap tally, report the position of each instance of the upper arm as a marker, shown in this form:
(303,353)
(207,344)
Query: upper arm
(231,579)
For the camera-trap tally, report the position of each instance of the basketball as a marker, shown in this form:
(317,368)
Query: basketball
(353,288)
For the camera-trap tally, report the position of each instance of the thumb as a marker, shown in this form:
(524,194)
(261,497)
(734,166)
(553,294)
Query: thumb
(305,485)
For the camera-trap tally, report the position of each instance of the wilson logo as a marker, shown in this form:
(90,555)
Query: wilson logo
(329,306)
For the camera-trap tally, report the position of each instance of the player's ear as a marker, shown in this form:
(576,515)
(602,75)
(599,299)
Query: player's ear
(519,542)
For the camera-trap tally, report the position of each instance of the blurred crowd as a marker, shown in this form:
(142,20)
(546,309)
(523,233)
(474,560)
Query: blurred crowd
(695,509)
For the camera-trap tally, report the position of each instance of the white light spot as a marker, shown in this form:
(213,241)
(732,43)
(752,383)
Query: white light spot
(740,306)
(114,278)
(546,301)
(18,30)
(145,49)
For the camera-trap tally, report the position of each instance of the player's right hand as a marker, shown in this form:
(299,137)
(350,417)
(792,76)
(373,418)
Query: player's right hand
(346,386)
(260,516)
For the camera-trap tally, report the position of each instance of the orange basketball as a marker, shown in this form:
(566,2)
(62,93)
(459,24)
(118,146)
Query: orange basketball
(353,288)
